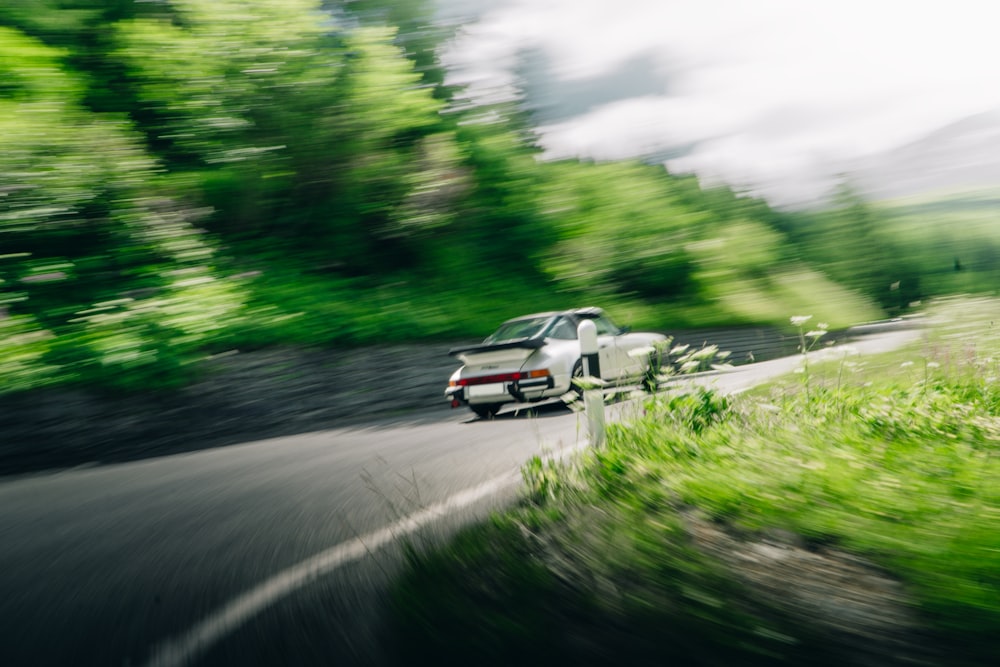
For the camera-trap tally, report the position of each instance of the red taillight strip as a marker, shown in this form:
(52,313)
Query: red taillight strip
(499,377)
(487,379)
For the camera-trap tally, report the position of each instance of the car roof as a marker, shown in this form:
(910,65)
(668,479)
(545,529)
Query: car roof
(589,311)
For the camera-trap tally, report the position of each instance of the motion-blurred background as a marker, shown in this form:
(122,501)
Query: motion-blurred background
(188,177)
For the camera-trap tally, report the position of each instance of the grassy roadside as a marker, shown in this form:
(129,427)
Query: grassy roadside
(846,515)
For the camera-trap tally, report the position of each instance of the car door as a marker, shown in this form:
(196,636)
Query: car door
(625,344)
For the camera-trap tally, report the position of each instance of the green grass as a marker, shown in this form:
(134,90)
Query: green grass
(893,459)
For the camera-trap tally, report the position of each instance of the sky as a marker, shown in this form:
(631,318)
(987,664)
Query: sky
(773,97)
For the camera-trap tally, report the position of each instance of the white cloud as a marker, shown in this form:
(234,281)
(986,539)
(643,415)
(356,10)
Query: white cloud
(774,89)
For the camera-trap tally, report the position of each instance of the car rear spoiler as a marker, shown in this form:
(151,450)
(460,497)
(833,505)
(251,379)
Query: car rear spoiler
(526,343)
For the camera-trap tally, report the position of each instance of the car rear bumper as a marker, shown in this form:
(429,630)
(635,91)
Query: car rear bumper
(523,390)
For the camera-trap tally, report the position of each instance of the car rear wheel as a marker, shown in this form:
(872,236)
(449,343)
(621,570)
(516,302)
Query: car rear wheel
(486,410)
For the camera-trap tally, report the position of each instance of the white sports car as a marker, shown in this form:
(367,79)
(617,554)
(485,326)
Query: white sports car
(535,357)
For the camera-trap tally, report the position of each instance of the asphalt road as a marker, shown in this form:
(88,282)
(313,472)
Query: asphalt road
(145,563)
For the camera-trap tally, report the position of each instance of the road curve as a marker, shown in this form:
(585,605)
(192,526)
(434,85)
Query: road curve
(108,565)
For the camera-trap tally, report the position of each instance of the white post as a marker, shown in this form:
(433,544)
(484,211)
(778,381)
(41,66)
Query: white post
(593,397)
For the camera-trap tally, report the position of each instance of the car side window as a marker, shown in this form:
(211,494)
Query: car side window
(563,330)
(605,327)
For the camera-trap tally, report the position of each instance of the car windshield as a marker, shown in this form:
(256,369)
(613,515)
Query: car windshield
(522,328)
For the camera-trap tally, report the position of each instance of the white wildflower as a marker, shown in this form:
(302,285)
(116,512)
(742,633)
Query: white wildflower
(799,320)
(641,352)
(589,382)
(706,352)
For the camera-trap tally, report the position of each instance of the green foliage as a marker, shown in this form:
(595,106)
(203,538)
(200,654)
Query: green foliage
(544,479)
(24,346)
(853,243)
(83,227)
(744,265)
(634,231)
(953,241)
(289,126)
(620,229)
(904,476)
(60,20)
(501,221)
(418,36)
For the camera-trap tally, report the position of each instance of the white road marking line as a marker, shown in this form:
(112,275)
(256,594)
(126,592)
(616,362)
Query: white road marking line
(185,649)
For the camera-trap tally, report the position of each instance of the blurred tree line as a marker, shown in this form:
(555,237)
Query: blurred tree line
(179,176)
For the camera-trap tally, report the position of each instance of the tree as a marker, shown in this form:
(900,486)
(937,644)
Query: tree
(852,244)
(417,34)
(621,228)
(289,124)
(109,273)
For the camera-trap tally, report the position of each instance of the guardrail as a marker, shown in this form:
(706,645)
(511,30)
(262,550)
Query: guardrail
(749,344)
(745,345)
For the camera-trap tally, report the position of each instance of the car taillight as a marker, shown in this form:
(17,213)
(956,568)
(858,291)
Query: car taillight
(499,377)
